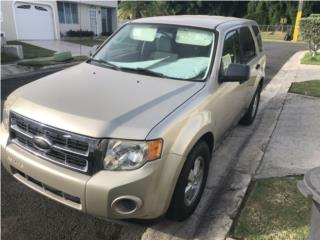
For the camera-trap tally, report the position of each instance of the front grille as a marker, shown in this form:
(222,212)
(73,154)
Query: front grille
(67,149)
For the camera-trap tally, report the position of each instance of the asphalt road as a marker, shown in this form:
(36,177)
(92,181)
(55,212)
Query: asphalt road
(277,55)
(28,215)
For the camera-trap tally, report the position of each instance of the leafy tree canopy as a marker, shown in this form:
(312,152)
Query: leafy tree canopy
(264,12)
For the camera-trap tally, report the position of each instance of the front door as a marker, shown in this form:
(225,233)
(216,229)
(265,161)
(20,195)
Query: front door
(93,20)
(230,102)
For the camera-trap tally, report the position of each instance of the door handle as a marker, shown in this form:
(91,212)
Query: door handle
(258,66)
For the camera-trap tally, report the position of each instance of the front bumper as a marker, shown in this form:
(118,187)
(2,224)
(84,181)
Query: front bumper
(151,186)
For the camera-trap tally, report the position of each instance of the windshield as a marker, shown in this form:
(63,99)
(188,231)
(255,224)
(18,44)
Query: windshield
(161,50)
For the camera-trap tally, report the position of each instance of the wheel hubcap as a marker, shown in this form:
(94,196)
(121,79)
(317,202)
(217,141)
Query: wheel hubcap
(194,183)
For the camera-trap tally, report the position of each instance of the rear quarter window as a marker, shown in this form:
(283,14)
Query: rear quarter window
(258,36)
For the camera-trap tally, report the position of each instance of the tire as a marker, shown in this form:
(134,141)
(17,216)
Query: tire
(250,115)
(183,205)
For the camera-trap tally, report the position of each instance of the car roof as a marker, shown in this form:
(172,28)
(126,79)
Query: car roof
(201,21)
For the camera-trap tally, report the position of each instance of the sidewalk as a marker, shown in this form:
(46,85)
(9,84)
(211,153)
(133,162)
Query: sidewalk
(62,46)
(9,71)
(13,69)
(294,147)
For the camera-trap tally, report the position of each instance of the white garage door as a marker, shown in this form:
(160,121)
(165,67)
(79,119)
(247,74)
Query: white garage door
(34,21)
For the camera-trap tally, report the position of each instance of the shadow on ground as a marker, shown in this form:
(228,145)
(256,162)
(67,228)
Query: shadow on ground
(26,214)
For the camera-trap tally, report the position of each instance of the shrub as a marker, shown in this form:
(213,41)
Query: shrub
(80,33)
(106,33)
(315,15)
(310,30)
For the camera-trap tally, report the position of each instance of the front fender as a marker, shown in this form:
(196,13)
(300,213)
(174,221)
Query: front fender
(194,128)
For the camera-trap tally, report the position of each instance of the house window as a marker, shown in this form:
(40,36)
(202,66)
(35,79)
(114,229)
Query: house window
(68,13)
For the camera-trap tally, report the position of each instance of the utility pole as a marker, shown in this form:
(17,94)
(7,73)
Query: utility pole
(297,24)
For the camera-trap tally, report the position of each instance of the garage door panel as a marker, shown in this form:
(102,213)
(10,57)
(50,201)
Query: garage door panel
(34,22)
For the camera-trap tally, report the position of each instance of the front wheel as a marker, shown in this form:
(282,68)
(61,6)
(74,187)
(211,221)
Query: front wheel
(191,183)
(250,115)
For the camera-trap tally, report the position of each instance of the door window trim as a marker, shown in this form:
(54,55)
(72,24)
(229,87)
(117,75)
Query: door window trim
(234,29)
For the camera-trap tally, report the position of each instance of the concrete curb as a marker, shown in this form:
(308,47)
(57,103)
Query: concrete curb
(43,70)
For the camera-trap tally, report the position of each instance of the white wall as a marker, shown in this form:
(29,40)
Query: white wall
(84,20)
(7,25)
(104,3)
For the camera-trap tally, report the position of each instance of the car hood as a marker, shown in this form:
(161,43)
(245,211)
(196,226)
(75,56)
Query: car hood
(101,102)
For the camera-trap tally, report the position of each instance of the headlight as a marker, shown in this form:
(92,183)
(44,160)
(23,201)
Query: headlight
(129,155)
(5,116)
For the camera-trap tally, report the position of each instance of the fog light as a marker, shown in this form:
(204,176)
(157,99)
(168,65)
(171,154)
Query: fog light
(126,204)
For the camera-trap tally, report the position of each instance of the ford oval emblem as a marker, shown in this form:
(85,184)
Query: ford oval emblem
(42,143)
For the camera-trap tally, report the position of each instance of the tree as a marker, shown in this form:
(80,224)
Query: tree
(270,13)
(310,30)
(139,9)
(264,12)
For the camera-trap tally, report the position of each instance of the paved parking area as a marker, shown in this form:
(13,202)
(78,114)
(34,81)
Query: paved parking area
(28,215)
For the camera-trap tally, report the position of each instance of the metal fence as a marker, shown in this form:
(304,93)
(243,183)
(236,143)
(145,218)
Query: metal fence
(276,28)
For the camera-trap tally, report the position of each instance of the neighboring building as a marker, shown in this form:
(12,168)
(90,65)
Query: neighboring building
(45,20)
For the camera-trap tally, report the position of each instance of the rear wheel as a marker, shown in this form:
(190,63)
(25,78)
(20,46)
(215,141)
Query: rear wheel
(250,115)
(191,183)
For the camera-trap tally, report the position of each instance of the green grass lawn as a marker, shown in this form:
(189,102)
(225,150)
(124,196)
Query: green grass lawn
(6,58)
(267,36)
(31,51)
(275,210)
(310,88)
(42,63)
(307,59)
(85,41)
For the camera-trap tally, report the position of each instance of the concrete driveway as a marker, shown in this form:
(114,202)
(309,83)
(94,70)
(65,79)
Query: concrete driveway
(62,46)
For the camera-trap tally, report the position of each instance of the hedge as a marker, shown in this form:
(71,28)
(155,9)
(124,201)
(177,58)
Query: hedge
(80,33)
(310,31)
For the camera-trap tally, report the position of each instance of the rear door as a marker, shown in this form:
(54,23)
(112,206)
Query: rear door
(262,55)
(250,57)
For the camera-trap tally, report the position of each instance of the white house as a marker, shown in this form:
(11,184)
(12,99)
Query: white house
(45,20)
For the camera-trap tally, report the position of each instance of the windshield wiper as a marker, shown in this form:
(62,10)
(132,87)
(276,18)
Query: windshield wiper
(105,63)
(116,67)
(144,71)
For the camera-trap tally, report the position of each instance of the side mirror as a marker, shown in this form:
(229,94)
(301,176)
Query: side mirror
(93,49)
(237,73)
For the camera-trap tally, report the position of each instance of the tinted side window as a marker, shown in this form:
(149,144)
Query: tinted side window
(248,48)
(258,35)
(231,50)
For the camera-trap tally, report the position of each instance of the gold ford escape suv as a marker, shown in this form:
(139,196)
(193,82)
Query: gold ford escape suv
(129,133)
